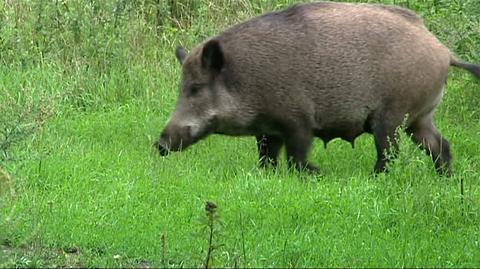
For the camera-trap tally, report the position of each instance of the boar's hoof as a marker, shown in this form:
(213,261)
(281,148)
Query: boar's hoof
(309,168)
(312,169)
(444,171)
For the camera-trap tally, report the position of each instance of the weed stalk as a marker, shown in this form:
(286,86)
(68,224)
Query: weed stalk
(211,212)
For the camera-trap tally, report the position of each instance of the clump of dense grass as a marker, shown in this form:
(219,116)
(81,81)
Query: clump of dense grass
(85,88)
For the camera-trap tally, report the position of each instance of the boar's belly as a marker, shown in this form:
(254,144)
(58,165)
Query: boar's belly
(344,131)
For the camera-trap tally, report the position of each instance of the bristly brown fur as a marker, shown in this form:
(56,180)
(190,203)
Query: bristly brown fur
(322,70)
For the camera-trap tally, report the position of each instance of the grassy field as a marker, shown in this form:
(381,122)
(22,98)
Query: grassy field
(85,90)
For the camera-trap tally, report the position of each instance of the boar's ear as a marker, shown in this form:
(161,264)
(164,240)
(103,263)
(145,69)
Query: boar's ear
(212,56)
(181,54)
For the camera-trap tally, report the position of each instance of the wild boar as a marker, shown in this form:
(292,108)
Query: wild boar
(327,70)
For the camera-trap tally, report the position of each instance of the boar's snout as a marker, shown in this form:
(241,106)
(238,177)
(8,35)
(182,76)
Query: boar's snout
(162,147)
(174,138)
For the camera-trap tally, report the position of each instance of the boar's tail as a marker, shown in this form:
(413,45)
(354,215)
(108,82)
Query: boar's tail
(472,68)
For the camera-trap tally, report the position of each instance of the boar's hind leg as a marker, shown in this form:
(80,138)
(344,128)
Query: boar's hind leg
(298,143)
(425,134)
(268,149)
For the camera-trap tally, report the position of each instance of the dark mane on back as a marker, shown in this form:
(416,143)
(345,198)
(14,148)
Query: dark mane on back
(293,13)
(297,10)
(297,13)
(405,13)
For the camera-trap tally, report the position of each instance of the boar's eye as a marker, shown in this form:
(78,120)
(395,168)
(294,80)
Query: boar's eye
(194,89)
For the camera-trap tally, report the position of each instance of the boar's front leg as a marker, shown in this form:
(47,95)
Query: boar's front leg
(384,130)
(268,149)
(298,142)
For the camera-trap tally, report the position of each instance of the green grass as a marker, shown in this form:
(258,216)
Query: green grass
(91,190)
(96,184)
